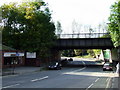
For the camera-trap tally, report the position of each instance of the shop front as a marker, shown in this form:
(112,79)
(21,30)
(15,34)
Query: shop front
(12,58)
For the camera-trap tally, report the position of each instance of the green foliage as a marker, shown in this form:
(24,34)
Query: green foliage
(97,51)
(28,27)
(87,53)
(90,52)
(58,28)
(74,52)
(78,52)
(1,34)
(85,56)
(106,36)
(68,53)
(114,25)
(94,52)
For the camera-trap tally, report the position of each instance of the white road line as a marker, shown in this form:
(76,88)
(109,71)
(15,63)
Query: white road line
(97,79)
(79,69)
(92,83)
(11,85)
(34,80)
(74,71)
(107,79)
(83,63)
(107,86)
(90,86)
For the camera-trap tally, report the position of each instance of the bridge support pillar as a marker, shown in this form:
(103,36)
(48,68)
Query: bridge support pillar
(107,55)
(101,56)
(114,54)
(110,56)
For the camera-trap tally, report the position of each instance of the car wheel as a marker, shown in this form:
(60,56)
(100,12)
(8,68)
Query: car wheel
(111,69)
(58,68)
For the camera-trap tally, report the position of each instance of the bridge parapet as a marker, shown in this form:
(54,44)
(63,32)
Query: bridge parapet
(84,35)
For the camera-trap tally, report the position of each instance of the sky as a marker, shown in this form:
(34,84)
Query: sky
(85,12)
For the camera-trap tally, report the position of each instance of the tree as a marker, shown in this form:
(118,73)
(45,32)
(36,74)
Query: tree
(68,53)
(1,34)
(58,28)
(27,27)
(94,52)
(114,25)
(78,52)
(97,51)
(90,32)
(76,27)
(90,52)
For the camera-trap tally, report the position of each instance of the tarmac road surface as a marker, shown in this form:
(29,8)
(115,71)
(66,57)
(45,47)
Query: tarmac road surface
(67,77)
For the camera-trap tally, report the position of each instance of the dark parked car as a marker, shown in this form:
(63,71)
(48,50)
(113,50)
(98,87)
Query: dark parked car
(70,59)
(55,65)
(108,67)
(64,62)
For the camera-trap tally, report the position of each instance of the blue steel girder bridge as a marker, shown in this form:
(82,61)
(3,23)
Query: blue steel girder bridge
(84,41)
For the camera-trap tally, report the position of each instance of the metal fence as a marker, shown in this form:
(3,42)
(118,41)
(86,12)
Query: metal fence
(84,35)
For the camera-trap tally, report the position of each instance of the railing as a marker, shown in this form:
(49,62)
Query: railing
(84,35)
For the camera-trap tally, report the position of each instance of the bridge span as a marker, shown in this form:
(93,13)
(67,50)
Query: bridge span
(84,41)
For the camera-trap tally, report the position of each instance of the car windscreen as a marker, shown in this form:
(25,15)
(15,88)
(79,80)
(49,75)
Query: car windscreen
(107,65)
(53,63)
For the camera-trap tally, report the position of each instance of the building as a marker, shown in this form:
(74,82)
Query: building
(31,59)
(11,57)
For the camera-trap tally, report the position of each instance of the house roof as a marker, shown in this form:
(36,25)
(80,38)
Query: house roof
(3,47)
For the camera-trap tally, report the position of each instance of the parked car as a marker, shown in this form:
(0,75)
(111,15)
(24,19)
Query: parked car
(64,62)
(107,67)
(55,65)
(70,59)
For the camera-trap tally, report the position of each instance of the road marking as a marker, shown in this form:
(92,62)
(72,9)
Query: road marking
(97,79)
(107,79)
(11,85)
(83,63)
(79,69)
(107,86)
(71,72)
(34,80)
(92,83)
(90,86)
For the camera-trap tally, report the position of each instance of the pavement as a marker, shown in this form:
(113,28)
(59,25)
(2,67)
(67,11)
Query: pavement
(24,70)
(115,82)
(20,70)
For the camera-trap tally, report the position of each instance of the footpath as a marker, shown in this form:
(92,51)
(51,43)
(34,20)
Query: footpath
(20,70)
(115,82)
